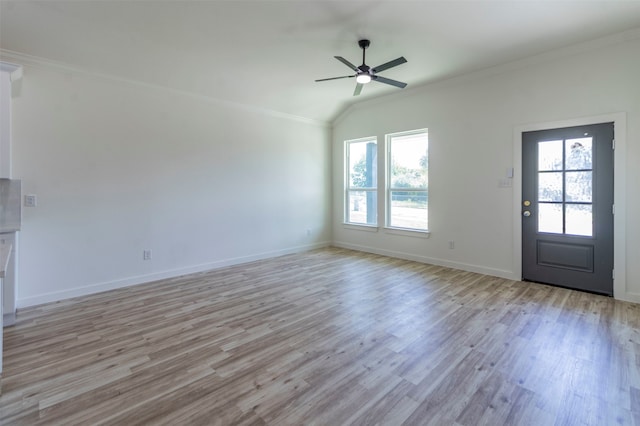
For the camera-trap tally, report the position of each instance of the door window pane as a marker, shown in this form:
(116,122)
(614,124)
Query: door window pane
(579,219)
(550,186)
(550,218)
(564,178)
(550,155)
(578,154)
(578,186)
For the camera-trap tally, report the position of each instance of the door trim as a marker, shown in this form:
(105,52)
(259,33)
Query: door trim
(619,187)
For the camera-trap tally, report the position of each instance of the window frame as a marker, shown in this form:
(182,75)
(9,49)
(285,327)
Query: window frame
(389,189)
(347,182)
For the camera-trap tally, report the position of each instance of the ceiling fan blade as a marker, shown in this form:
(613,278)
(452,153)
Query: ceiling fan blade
(347,63)
(389,81)
(390,64)
(358,89)
(336,78)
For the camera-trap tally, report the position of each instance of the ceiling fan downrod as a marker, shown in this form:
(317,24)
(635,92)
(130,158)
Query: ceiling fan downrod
(363,45)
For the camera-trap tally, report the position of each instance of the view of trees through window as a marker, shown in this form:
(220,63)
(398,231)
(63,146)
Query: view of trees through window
(565,178)
(408,180)
(407,197)
(362,197)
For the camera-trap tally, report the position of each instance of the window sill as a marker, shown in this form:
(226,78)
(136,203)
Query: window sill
(360,227)
(407,232)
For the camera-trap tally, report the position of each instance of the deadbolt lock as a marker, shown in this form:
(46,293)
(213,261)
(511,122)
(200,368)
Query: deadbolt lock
(527,203)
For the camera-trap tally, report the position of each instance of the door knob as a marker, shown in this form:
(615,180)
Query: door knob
(526,213)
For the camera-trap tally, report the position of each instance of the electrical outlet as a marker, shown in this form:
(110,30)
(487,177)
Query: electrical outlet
(30,200)
(452,245)
(146,254)
(308,232)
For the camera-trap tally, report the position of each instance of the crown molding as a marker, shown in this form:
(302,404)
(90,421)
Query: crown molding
(14,70)
(44,63)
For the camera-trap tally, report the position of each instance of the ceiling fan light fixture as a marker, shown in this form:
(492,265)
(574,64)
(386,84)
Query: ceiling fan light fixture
(365,74)
(363,78)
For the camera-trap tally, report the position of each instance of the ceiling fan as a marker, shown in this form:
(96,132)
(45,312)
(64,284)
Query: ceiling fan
(364,74)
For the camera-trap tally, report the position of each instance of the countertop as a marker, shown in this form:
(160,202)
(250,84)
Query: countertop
(5,252)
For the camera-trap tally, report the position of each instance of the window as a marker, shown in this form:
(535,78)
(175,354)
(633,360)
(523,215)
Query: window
(565,186)
(362,183)
(408,180)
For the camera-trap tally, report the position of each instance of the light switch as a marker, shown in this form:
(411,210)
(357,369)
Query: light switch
(504,183)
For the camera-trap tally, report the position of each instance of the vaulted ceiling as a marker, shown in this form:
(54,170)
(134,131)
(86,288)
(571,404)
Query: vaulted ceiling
(267,54)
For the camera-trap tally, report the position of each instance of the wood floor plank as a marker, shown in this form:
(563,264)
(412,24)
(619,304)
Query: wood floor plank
(326,337)
(480,400)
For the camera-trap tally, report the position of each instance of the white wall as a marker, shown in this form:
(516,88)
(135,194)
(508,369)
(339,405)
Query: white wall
(471,122)
(120,167)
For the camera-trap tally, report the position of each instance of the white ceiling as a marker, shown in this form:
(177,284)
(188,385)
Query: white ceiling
(267,54)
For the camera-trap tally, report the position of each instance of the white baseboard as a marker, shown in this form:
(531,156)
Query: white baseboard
(143,279)
(627,297)
(431,260)
(8,319)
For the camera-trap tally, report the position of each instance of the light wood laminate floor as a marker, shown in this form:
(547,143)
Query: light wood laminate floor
(328,337)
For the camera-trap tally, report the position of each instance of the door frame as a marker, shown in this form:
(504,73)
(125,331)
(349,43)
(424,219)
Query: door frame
(619,187)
